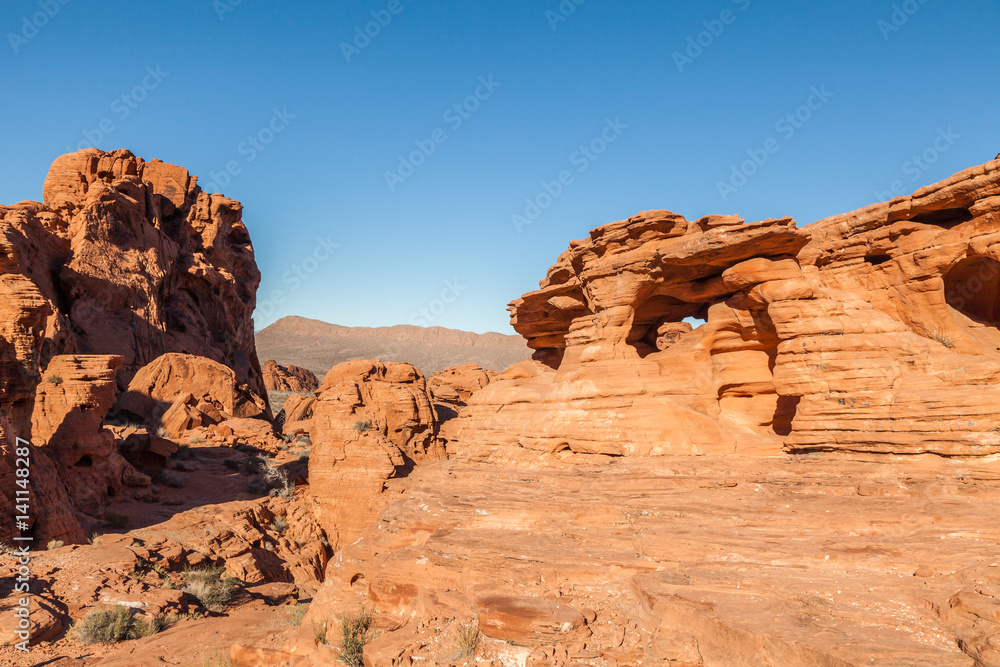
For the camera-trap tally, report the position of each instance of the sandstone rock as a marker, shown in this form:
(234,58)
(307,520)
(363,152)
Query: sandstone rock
(133,258)
(526,620)
(67,421)
(288,378)
(183,391)
(870,333)
(21,331)
(696,560)
(371,422)
(457,384)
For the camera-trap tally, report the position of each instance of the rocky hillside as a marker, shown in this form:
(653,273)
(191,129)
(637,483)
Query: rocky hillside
(320,346)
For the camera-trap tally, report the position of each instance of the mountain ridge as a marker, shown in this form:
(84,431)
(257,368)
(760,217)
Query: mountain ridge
(319,345)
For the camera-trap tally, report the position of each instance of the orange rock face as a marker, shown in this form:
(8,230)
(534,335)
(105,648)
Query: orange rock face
(873,332)
(183,391)
(21,336)
(67,421)
(134,259)
(372,421)
(288,378)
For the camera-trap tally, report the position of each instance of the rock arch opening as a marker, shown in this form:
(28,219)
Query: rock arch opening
(661,320)
(972,287)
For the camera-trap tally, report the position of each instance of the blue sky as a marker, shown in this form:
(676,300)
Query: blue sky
(591,112)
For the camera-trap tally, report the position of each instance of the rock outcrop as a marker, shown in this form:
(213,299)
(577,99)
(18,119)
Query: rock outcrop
(134,259)
(288,378)
(183,391)
(371,422)
(870,333)
(67,421)
(49,514)
(296,414)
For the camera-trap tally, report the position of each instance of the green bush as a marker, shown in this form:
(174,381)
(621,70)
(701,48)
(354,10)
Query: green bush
(210,585)
(279,525)
(355,632)
(54,379)
(110,626)
(362,426)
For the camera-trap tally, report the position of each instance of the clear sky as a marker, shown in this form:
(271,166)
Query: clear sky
(592,111)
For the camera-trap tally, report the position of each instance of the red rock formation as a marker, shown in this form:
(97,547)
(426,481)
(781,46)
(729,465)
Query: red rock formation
(50,514)
(133,258)
(297,413)
(67,422)
(870,332)
(288,378)
(371,422)
(455,385)
(183,391)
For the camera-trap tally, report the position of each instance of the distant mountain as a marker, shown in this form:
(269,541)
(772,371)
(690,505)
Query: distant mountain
(319,346)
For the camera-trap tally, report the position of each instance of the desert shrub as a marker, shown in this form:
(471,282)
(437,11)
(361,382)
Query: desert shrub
(161,432)
(217,659)
(467,641)
(320,630)
(355,632)
(55,544)
(196,440)
(287,492)
(117,519)
(183,452)
(173,479)
(279,525)
(297,613)
(944,339)
(95,539)
(210,585)
(232,464)
(362,426)
(54,379)
(110,626)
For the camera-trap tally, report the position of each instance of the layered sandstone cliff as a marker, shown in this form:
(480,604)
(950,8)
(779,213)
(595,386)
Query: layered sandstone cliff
(870,332)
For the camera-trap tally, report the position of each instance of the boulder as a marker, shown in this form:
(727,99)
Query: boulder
(372,421)
(288,378)
(183,391)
